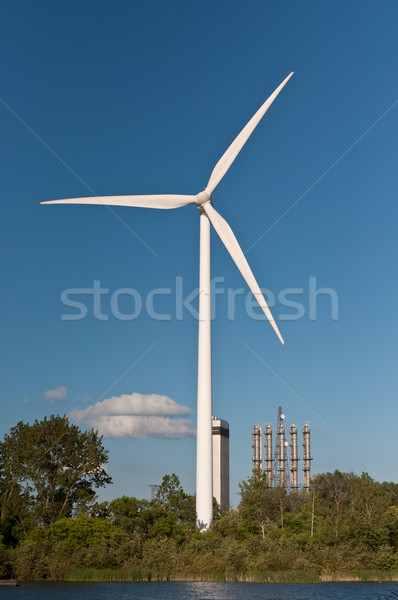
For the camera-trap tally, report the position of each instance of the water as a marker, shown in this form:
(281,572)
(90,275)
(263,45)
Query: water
(201,591)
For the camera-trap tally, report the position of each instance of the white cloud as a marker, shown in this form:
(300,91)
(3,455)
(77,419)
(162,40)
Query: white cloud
(56,395)
(133,404)
(141,427)
(137,415)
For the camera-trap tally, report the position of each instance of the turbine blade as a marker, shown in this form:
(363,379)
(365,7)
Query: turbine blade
(229,156)
(157,201)
(231,243)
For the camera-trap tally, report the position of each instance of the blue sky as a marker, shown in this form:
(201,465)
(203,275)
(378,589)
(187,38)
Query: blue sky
(144,97)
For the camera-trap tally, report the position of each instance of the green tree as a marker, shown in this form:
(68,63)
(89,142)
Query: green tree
(15,513)
(146,519)
(333,497)
(80,532)
(257,506)
(124,513)
(173,499)
(370,512)
(52,466)
(226,524)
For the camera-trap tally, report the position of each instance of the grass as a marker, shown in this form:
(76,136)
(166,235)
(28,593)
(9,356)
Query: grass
(371,575)
(136,575)
(253,577)
(109,575)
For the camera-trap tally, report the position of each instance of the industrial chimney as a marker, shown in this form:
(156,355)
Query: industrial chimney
(306,456)
(282,451)
(257,456)
(293,457)
(268,453)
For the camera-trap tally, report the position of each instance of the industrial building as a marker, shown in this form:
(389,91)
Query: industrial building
(276,461)
(221,461)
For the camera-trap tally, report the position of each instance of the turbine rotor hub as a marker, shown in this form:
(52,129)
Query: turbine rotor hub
(202,198)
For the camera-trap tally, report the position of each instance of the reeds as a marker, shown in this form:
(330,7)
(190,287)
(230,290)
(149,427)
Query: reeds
(138,575)
(252,577)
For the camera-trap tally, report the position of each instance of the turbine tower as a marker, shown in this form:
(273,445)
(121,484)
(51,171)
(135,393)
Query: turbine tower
(208,214)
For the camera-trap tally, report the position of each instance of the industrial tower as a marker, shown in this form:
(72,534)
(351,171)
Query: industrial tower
(306,456)
(257,455)
(281,471)
(293,457)
(268,454)
(220,431)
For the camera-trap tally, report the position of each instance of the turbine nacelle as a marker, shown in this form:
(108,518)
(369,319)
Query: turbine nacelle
(202,198)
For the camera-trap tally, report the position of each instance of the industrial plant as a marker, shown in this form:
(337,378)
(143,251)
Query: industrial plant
(280,468)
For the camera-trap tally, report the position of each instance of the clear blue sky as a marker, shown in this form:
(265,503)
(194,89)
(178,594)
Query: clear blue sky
(144,97)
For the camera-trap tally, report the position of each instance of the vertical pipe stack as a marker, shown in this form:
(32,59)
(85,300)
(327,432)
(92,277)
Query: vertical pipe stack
(268,453)
(293,457)
(281,467)
(257,455)
(282,451)
(306,456)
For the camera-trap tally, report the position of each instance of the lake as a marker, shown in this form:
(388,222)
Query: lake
(200,591)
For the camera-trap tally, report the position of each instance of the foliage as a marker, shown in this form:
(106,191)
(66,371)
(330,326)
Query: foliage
(51,525)
(49,468)
(80,532)
(260,504)
(172,497)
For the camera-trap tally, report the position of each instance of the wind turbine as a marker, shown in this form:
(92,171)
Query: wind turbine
(208,214)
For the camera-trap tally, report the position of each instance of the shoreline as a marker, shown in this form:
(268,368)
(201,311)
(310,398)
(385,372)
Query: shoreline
(321,580)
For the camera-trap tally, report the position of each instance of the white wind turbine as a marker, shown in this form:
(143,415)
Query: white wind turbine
(204,466)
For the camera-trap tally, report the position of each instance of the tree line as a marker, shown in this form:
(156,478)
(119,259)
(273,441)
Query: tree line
(53,526)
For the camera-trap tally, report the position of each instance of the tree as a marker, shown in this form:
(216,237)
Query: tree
(257,504)
(15,514)
(333,498)
(280,503)
(53,466)
(124,512)
(370,512)
(173,499)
